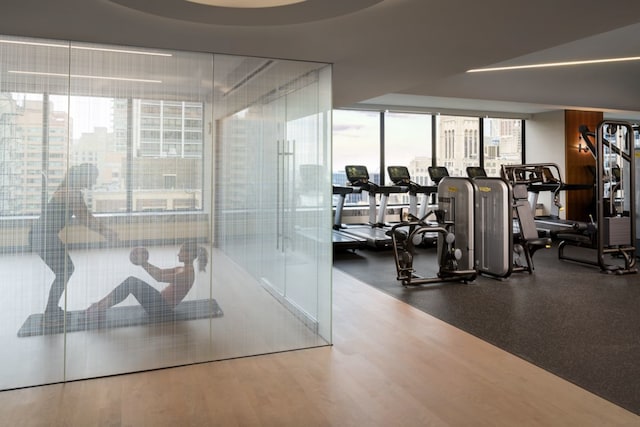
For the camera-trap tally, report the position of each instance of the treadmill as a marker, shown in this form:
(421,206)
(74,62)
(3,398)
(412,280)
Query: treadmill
(545,177)
(400,176)
(374,233)
(342,240)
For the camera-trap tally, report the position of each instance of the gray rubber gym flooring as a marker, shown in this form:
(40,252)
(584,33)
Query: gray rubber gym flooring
(569,319)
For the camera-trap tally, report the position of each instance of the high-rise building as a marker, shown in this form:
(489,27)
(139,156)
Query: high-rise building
(167,128)
(164,171)
(458,144)
(34,154)
(10,157)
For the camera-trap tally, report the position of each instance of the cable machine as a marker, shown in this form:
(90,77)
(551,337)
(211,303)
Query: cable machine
(612,234)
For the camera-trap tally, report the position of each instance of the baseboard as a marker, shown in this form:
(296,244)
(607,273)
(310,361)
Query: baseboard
(309,321)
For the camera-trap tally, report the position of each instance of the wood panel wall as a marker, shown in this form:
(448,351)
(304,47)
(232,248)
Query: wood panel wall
(579,203)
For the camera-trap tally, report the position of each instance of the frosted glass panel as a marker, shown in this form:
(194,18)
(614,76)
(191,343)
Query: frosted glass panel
(275,206)
(158,208)
(33,143)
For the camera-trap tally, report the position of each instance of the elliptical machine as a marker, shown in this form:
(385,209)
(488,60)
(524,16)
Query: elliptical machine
(455,235)
(405,234)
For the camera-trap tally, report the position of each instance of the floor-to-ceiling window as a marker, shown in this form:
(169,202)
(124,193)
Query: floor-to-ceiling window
(419,140)
(503,139)
(457,143)
(408,142)
(356,141)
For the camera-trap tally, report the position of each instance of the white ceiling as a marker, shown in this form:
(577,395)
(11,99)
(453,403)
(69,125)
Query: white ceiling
(408,53)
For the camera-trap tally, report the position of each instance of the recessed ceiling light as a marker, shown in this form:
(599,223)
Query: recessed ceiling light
(248,12)
(247,4)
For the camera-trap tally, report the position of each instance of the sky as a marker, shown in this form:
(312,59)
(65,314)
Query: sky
(356,138)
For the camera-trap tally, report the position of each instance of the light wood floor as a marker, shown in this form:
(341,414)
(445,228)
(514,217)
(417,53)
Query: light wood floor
(391,365)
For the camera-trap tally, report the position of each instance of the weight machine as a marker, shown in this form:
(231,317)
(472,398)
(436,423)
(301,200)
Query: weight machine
(612,234)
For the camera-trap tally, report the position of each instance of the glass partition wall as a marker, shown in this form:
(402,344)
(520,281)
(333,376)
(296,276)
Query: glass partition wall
(159,208)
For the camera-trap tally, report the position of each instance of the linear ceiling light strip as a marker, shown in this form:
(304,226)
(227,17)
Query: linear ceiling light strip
(555,64)
(99,49)
(81,76)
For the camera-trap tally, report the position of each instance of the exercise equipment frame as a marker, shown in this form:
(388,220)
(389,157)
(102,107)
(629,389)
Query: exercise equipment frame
(614,231)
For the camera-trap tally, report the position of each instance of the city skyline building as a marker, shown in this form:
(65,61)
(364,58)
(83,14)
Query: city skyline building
(164,169)
(33,132)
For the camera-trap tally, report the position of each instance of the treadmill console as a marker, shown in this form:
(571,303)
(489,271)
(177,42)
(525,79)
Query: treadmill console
(357,175)
(436,173)
(476,172)
(399,175)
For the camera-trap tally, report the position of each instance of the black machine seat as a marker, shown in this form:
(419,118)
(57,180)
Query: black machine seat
(586,239)
(528,238)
